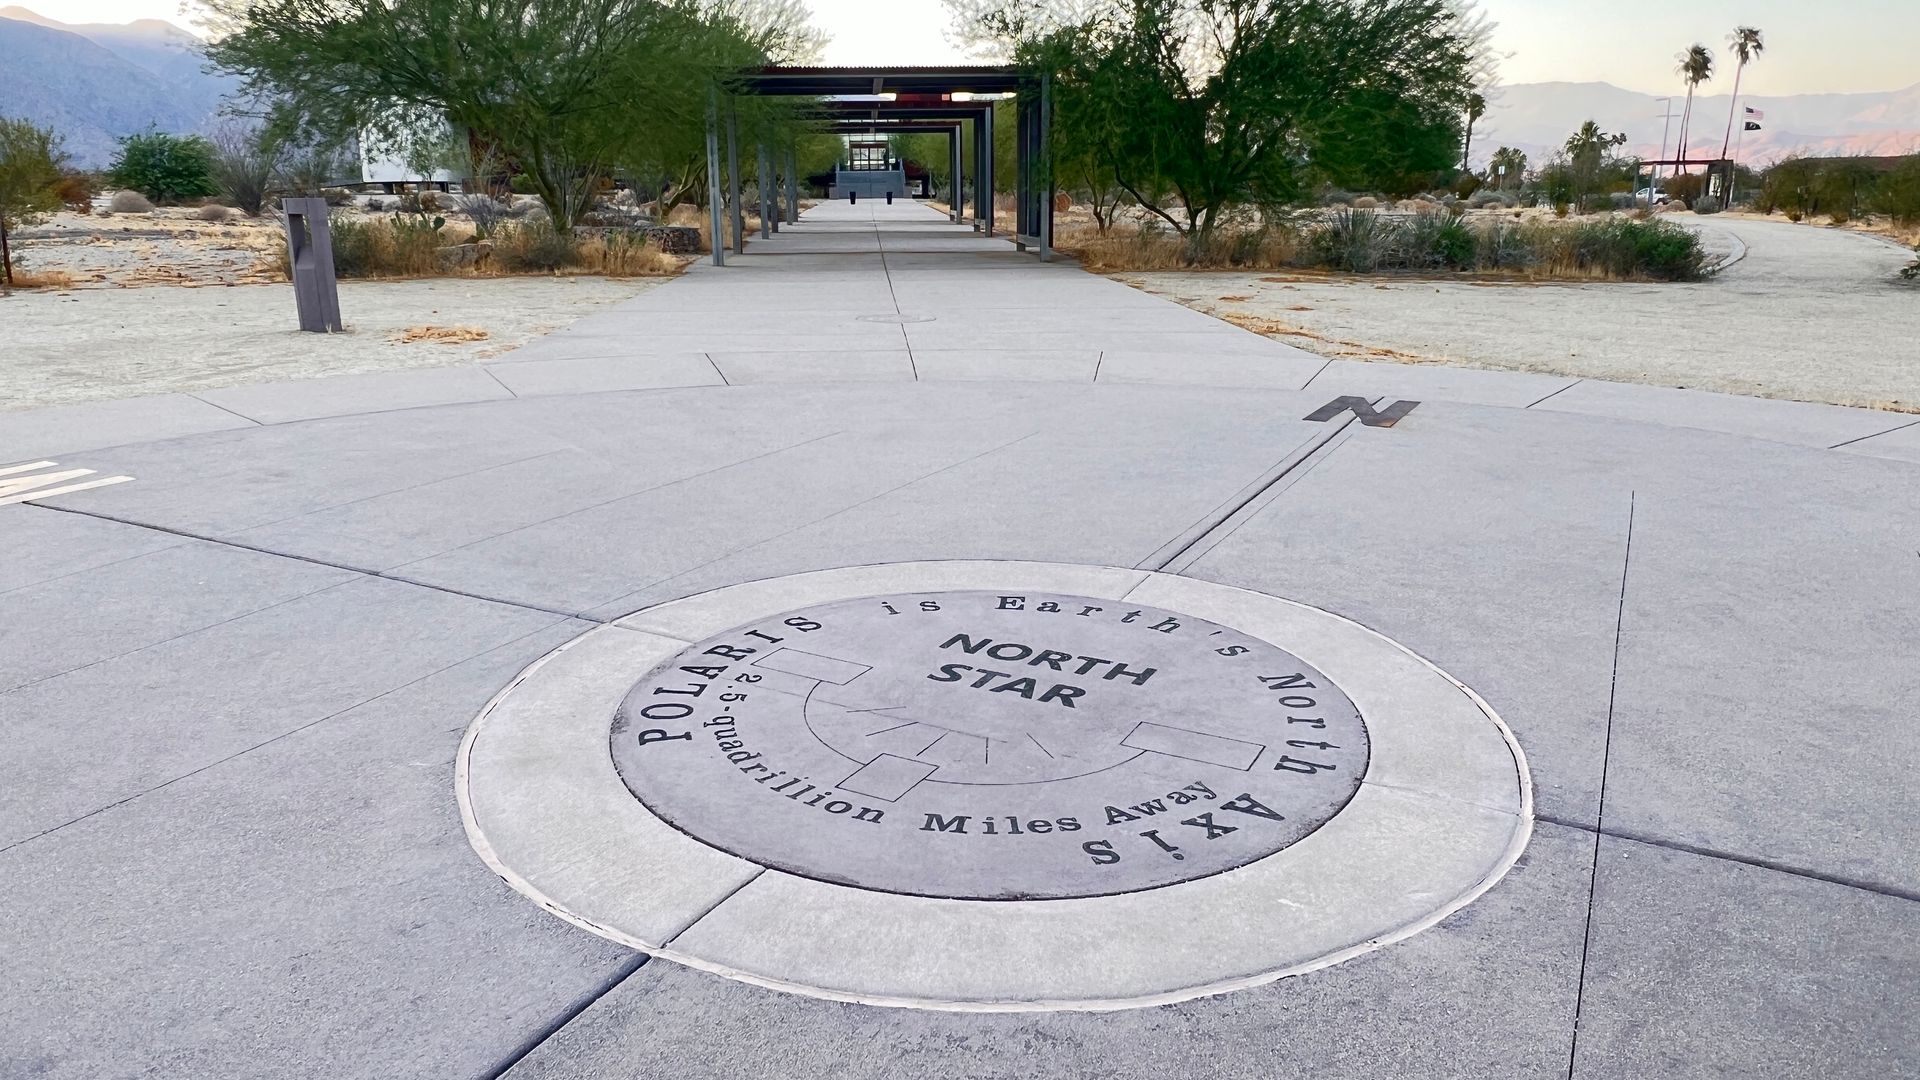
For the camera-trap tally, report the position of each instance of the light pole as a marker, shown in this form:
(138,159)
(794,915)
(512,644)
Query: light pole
(1653,182)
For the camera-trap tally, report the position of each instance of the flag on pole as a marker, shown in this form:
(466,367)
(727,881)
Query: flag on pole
(1755,114)
(1751,126)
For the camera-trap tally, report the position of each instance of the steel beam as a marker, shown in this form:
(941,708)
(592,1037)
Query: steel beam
(739,214)
(762,173)
(713,177)
(793,186)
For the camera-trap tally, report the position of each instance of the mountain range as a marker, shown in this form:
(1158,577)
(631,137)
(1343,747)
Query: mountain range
(1538,117)
(95,83)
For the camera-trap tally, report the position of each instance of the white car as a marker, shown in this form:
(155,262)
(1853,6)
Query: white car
(1660,197)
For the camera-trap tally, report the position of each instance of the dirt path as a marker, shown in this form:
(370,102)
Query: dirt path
(1810,313)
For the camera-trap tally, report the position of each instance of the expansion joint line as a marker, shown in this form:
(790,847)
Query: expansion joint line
(1600,808)
(1209,530)
(361,570)
(880,245)
(566,1016)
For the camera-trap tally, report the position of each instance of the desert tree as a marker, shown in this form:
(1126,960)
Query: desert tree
(1747,44)
(1694,65)
(1588,153)
(32,164)
(1507,162)
(1476,108)
(564,90)
(1201,108)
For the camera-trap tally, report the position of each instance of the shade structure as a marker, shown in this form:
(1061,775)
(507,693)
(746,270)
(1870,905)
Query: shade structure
(917,99)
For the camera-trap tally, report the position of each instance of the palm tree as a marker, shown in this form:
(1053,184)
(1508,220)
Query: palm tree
(1747,46)
(1514,162)
(1695,65)
(1476,108)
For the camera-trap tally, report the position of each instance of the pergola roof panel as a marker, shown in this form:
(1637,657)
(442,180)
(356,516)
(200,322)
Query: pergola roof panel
(781,80)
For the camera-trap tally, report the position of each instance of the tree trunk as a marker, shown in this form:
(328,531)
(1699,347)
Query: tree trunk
(6,256)
(1686,117)
(1732,109)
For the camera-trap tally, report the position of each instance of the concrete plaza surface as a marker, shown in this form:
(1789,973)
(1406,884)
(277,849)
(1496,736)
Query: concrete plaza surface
(233,686)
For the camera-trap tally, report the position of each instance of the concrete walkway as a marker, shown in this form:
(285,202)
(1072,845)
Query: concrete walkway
(233,686)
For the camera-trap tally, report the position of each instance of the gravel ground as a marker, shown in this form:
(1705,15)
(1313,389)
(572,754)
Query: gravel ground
(91,344)
(1810,313)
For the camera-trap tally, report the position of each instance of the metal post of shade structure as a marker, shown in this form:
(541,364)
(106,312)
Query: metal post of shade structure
(953,173)
(316,291)
(1022,171)
(793,186)
(1043,143)
(979,181)
(986,171)
(713,177)
(739,213)
(760,190)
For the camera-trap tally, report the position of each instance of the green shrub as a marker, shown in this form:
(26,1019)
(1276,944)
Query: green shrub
(165,168)
(1352,240)
(1898,196)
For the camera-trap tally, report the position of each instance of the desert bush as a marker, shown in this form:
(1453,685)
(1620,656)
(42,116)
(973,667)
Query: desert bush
(213,212)
(1354,240)
(244,162)
(485,211)
(75,191)
(389,247)
(129,202)
(165,168)
(1706,204)
(1364,241)
(337,196)
(1336,197)
(1624,248)
(623,254)
(32,165)
(1366,202)
(536,246)
(422,202)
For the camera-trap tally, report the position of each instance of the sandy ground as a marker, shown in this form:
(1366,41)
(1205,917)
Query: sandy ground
(170,246)
(1811,313)
(91,344)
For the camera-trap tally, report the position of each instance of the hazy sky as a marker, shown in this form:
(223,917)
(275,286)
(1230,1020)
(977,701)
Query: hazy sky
(1833,45)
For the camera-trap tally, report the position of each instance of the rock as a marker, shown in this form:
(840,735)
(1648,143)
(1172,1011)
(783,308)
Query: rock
(461,256)
(675,239)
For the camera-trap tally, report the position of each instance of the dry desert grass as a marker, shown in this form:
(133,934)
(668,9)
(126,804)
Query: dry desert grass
(445,335)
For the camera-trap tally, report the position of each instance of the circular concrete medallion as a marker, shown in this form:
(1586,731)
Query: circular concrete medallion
(990,745)
(993,785)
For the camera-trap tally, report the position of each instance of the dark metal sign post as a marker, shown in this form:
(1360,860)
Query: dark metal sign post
(316,290)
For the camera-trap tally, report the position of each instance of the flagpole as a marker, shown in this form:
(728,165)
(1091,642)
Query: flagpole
(1737,143)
